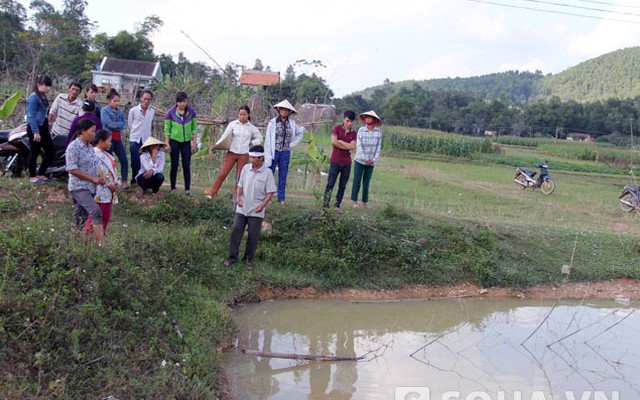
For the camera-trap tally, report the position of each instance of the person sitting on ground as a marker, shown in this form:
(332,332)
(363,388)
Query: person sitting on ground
(256,186)
(151,165)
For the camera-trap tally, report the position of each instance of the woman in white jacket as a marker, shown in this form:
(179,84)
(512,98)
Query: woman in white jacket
(243,135)
(282,135)
(151,174)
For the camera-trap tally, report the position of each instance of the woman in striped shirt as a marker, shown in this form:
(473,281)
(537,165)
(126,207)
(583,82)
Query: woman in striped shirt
(368,146)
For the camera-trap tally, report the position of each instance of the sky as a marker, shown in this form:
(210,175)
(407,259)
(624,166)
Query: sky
(362,43)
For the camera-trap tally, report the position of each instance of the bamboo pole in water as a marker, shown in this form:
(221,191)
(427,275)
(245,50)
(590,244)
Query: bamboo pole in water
(300,356)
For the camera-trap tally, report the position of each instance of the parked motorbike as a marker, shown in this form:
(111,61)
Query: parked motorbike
(629,198)
(526,178)
(15,149)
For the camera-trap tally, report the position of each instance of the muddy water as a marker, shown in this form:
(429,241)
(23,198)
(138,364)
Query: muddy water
(472,349)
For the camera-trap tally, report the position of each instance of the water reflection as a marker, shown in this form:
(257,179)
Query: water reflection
(464,346)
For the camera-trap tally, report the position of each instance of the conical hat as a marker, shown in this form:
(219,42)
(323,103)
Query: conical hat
(371,114)
(285,104)
(151,141)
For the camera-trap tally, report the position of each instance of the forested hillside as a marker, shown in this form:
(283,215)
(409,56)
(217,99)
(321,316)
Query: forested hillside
(512,86)
(612,75)
(599,97)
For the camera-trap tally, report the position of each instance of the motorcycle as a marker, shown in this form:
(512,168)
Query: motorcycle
(15,149)
(526,178)
(629,198)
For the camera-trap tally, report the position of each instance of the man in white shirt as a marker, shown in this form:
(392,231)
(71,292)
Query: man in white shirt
(140,125)
(64,110)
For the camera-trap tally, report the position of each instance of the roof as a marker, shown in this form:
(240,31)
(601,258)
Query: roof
(129,67)
(259,78)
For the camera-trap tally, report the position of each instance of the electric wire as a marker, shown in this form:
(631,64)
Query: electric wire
(555,12)
(608,4)
(582,8)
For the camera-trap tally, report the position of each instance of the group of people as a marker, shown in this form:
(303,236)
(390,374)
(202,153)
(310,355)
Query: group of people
(95,135)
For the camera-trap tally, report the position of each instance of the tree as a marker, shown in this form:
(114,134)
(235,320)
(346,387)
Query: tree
(310,89)
(61,40)
(354,102)
(136,46)
(126,46)
(399,110)
(12,20)
(258,65)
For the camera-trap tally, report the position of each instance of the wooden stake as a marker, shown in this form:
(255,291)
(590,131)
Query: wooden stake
(299,356)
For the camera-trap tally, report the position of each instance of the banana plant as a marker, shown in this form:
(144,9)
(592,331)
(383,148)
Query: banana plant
(314,160)
(8,107)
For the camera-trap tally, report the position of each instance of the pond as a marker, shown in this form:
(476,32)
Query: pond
(445,349)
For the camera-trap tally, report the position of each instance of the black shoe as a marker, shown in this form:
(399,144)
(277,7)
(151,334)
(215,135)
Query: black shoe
(248,264)
(228,262)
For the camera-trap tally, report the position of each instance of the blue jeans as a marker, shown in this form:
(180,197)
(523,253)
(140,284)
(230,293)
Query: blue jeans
(180,149)
(118,148)
(134,150)
(281,160)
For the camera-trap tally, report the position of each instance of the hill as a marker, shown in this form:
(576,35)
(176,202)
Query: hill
(612,75)
(514,86)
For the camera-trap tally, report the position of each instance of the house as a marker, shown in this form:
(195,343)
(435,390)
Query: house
(128,77)
(259,78)
(581,137)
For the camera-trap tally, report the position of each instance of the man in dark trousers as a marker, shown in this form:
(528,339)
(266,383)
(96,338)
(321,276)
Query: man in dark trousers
(256,186)
(343,140)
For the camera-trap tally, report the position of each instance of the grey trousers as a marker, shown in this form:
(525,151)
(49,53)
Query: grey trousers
(240,221)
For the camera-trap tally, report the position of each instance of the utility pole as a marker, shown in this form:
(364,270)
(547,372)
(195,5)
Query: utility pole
(631,132)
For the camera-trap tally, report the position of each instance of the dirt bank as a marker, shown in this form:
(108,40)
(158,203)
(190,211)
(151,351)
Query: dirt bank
(620,289)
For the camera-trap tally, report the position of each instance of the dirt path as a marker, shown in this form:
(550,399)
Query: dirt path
(622,290)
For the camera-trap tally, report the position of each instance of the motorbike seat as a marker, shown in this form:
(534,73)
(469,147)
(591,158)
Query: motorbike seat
(527,171)
(4,136)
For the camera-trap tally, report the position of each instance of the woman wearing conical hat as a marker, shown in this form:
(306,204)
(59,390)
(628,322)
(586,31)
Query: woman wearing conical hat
(282,135)
(150,175)
(368,146)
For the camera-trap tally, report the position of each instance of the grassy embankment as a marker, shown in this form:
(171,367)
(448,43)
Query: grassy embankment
(146,315)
